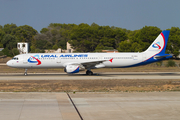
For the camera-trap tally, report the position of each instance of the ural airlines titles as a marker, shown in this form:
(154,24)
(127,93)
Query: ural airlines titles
(65,55)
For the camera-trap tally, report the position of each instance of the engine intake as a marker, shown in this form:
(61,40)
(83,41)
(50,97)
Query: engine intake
(71,69)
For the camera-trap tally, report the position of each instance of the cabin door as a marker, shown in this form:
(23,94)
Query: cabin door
(25,59)
(100,57)
(58,60)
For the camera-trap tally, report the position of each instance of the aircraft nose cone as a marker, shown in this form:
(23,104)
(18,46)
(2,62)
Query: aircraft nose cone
(9,63)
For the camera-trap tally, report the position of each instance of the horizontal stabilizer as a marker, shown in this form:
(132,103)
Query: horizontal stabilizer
(162,56)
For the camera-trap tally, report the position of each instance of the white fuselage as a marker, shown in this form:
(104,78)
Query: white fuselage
(60,60)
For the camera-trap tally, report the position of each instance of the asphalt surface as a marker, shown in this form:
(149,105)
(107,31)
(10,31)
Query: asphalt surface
(104,76)
(91,106)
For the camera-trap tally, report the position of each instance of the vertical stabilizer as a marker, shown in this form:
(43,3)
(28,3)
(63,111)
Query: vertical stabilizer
(159,44)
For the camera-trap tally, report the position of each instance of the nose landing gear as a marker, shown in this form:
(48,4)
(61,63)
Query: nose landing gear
(25,73)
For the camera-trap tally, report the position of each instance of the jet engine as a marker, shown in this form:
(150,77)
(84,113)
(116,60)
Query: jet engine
(72,69)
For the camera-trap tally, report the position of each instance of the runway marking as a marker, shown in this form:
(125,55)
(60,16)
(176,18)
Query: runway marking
(75,106)
(99,76)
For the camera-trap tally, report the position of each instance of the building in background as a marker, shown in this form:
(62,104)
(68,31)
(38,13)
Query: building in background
(59,50)
(69,48)
(1,49)
(23,47)
(110,51)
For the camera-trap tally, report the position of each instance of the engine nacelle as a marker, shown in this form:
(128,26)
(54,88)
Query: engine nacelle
(71,69)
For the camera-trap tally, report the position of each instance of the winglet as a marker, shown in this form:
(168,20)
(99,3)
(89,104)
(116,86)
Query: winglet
(111,59)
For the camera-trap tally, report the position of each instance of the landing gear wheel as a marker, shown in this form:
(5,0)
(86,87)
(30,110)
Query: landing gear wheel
(25,73)
(88,72)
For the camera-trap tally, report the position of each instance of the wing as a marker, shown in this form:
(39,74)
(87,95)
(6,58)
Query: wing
(90,64)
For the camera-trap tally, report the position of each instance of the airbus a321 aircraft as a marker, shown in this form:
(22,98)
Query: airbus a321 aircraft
(75,62)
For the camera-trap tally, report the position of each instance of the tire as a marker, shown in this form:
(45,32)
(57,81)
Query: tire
(89,72)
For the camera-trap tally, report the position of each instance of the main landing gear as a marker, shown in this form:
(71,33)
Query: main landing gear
(89,72)
(25,73)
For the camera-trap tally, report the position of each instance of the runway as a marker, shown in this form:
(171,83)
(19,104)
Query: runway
(96,76)
(91,106)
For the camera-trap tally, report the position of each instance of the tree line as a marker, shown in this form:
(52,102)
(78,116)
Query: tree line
(84,38)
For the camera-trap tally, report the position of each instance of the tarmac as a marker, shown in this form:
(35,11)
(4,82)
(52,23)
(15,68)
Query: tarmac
(99,76)
(90,106)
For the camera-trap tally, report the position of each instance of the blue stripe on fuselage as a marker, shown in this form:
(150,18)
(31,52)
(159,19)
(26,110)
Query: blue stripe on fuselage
(151,60)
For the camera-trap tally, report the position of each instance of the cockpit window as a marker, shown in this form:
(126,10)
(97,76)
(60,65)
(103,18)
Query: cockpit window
(14,58)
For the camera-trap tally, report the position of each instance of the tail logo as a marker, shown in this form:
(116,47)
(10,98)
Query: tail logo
(34,59)
(156,45)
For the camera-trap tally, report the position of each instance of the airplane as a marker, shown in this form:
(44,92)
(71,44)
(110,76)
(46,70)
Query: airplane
(75,62)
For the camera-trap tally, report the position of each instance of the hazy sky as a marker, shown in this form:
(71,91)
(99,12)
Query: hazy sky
(129,14)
